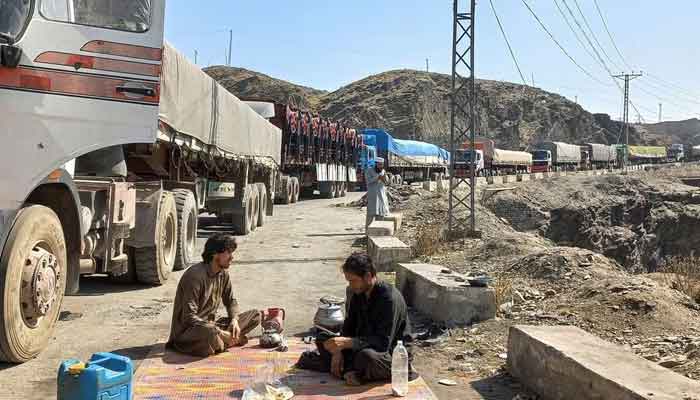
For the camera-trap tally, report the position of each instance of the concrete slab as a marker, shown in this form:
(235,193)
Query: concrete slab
(429,186)
(381,228)
(387,252)
(523,178)
(444,297)
(510,178)
(494,180)
(396,218)
(565,362)
(481,181)
(442,186)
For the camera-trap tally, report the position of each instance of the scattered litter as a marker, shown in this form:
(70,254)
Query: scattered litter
(69,316)
(447,382)
(503,356)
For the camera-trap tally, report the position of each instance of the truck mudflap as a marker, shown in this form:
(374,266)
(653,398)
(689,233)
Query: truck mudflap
(147,202)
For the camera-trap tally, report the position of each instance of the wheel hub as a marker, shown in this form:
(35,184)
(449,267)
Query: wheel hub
(40,280)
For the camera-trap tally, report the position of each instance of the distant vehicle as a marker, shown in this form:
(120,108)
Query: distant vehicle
(600,156)
(407,160)
(556,156)
(647,154)
(491,161)
(676,152)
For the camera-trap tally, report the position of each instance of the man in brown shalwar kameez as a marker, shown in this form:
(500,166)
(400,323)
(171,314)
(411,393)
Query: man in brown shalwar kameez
(195,329)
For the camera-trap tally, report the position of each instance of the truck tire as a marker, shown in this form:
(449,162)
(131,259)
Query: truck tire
(33,272)
(262,200)
(187,216)
(399,180)
(306,192)
(254,206)
(295,189)
(286,191)
(154,264)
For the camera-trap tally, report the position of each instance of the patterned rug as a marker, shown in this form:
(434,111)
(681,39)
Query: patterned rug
(167,375)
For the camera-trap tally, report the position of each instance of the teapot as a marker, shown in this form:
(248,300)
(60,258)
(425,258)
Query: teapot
(330,313)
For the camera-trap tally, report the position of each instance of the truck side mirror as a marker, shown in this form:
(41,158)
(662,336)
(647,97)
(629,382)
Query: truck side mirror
(10,55)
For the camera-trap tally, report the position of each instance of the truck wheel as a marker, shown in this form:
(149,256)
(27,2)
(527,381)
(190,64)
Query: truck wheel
(187,215)
(253,206)
(262,201)
(399,180)
(33,273)
(295,189)
(154,264)
(286,190)
(334,190)
(306,192)
(343,189)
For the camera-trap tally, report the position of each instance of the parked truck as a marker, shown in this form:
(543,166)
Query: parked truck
(113,144)
(647,154)
(676,152)
(407,160)
(492,161)
(316,154)
(555,156)
(599,156)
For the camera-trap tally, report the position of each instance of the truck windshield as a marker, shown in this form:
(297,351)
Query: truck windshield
(465,156)
(125,15)
(13,18)
(540,155)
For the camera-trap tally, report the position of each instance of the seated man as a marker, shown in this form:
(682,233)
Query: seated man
(377,319)
(201,290)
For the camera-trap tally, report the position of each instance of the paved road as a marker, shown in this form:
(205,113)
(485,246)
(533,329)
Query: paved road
(291,262)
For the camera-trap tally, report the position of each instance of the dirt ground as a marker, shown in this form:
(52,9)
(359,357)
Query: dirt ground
(291,262)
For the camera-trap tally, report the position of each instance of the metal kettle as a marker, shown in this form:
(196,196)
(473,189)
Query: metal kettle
(330,313)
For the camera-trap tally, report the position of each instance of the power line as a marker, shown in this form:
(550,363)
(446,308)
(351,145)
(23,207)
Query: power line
(605,24)
(544,27)
(505,37)
(571,27)
(585,21)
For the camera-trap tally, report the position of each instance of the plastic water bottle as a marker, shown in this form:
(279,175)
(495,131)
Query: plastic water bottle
(399,370)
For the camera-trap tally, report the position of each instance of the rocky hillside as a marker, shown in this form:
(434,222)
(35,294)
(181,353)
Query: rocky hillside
(686,132)
(415,104)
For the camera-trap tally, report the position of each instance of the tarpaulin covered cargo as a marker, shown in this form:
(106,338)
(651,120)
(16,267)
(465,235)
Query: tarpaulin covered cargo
(602,152)
(193,104)
(562,153)
(509,157)
(407,151)
(647,152)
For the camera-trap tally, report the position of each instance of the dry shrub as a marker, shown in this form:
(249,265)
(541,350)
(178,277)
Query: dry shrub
(428,241)
(503,286)
(683,274)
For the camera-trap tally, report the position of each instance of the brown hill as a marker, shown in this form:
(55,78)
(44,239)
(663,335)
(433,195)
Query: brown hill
(685,132)
(415,104)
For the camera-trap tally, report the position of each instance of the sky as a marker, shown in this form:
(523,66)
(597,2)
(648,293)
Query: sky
(329,44)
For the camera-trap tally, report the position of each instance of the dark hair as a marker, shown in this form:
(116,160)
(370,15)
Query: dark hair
(218,244)
(359,264)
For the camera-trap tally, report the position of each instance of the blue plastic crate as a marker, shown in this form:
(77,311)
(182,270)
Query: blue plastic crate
(105,377)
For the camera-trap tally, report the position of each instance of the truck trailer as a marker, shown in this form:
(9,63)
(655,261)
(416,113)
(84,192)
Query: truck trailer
(555,156)
(407,160)
(647,154)
(600,156)
(492,161)
(114,143)
(316,153)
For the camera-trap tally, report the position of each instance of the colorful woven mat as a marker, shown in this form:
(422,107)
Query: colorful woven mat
(167,375)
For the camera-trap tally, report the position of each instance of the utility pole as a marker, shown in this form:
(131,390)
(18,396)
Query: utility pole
(576,99)
(230,44)
(463,120)
(427,65)
(660,111)
(533,79)
(626,113)
(195,57)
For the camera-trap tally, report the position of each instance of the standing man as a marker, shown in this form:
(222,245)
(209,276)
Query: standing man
(377,202)
(377,319)
(195,329)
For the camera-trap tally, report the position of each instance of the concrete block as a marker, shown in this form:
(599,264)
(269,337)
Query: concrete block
(565,362)
(537,175)
(429,186)
(387,252)
(523,178)
(381,228)
(481,181)
(444,297)
(510,178)
(396,218)
(495,180)
(442,186)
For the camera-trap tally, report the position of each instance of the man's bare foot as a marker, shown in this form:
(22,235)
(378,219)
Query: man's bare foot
(352,379)
(227,339)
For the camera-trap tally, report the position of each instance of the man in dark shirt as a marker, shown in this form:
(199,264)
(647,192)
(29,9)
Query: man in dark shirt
(377,319)
(200,292)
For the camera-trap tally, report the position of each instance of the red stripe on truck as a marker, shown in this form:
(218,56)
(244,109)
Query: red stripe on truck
(73,84)
(102,64)
(123,50)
